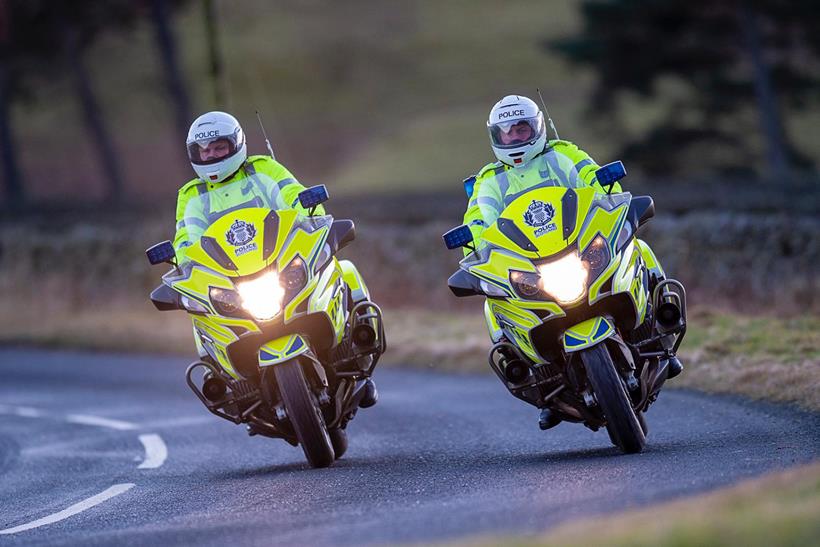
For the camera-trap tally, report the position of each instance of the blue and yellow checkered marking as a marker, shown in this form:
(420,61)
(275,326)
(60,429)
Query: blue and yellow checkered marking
(587,334)
(281,349)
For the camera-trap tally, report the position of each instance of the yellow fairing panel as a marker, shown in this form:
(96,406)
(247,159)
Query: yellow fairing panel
(216,335)
(327,298)
(547,238)
(354,280)
(587,334)
(241,236)
(282,349)
(517,322)
(305,244)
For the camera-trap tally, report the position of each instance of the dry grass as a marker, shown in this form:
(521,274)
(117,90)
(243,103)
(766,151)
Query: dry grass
(781,509)
(760,357)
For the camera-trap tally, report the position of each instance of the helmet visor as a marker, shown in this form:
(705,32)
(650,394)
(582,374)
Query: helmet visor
(207,152)
(514,133)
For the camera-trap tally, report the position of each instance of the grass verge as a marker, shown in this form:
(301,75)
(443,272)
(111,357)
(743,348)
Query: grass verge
(780,509)
(762,357)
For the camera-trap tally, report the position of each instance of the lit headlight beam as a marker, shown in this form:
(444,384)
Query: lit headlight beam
(564,279)
(262,297)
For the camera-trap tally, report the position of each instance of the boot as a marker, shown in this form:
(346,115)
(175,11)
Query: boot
(371,394)
(548,419)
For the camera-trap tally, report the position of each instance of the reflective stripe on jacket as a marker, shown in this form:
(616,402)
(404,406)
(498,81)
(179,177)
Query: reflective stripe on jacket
(286,198)
(569,166)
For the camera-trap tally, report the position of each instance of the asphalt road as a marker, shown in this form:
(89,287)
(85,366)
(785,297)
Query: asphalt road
(102,449)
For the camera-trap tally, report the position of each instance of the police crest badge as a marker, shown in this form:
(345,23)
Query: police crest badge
(240,235)
(539,215)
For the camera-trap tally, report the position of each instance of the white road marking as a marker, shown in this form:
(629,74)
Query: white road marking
(88,503)
(155,451)
(102,422)
(27,412)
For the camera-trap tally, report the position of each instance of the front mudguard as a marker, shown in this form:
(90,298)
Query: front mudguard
(587,334)
(290,347)
(282,349)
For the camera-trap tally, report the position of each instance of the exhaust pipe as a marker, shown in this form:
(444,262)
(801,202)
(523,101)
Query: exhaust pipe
(214,389)
(668,316)
(516,371)
(364,335)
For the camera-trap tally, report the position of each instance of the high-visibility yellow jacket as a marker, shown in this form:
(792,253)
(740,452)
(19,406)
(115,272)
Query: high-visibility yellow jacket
(287,196)
(493,187)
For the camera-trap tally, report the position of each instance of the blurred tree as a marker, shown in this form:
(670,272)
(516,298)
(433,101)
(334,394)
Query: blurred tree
(735,56)
(220,96)
(12,178)
(47,37)
(161,14)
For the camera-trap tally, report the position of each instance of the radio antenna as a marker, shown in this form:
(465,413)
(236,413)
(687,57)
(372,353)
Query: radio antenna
(552,125)
(267,142)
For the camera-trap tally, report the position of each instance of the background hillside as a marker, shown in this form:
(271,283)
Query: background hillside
(355,95)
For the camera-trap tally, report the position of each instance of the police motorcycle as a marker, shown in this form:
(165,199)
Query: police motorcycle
(585,324)
(288,333)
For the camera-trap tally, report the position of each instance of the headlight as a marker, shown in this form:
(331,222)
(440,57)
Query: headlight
(596,256)
(226,301)
(564,279)
(527,284)
(294,276)
(262,297)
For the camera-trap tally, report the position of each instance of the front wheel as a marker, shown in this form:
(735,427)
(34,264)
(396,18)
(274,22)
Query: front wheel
(304,414)
(622,424)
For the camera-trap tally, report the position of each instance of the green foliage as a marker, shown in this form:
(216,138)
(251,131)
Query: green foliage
(718,54)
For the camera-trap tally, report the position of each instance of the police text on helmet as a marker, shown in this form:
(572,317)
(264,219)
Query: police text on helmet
(207,134)
(510,114)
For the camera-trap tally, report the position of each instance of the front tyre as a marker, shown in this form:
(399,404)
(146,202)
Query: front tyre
(623,426)
(304,414)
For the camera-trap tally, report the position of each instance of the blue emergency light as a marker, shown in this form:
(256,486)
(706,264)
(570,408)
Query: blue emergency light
(313,196)
(460,236)
(610,173)
(161,252)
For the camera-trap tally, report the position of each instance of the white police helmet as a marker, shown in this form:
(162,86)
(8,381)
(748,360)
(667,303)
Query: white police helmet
(517,131)
(209,128)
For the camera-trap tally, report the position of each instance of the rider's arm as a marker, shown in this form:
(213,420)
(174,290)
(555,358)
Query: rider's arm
(185,226)
(483,207)
(289,187)
(584,164)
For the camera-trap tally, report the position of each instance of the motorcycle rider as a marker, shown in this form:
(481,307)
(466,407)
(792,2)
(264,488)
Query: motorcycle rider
(517,136)
(219,156)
